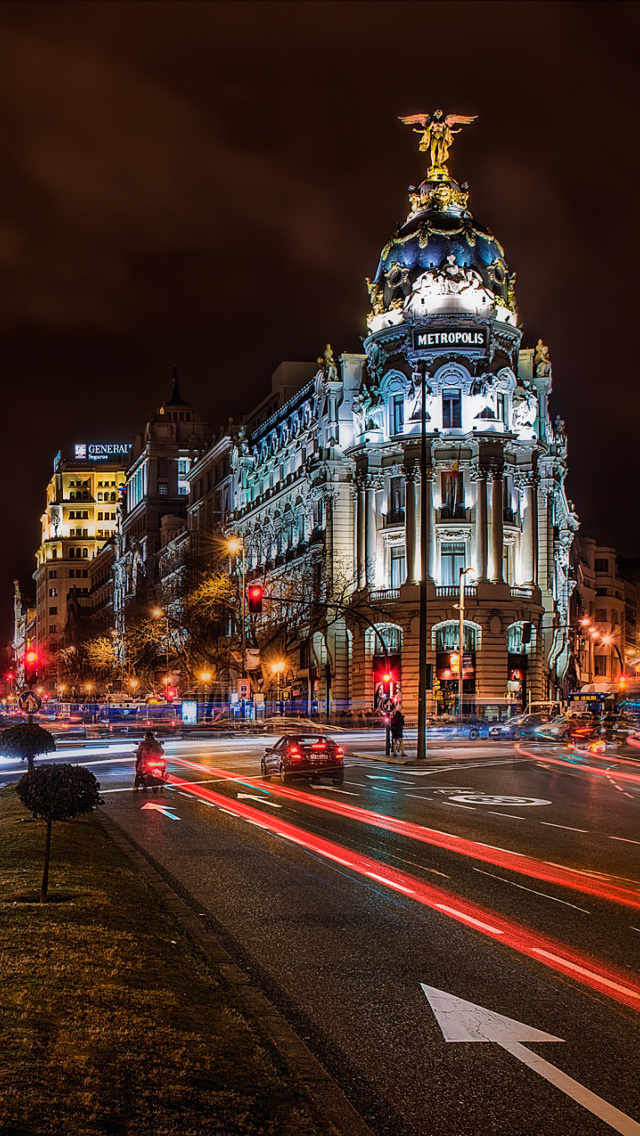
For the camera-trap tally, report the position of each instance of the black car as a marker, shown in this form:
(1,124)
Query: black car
(305,755)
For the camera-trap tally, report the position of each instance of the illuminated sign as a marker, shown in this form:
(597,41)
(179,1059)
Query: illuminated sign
(101,451)
(463,338)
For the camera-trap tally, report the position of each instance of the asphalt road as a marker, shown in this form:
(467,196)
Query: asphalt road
(341,920)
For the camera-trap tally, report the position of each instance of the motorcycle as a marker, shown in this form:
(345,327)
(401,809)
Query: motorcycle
(153,772)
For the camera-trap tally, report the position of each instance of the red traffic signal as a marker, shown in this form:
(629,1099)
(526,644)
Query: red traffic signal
(254,596)
(31,658)
(171,693)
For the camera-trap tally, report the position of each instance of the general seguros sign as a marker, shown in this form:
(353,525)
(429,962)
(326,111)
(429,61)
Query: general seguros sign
(101,451)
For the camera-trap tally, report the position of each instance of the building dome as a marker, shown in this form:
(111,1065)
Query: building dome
(441,260)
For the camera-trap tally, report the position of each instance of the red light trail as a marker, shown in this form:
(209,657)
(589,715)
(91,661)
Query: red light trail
(606,980)
(498,857)
(571,765)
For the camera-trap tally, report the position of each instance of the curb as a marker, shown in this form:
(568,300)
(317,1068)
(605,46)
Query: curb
(323,1090)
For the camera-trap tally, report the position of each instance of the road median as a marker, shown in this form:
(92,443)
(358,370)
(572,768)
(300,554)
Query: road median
(113,1021)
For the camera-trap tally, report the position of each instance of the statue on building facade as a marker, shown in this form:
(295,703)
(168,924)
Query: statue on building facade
(327,365)
(525,407)
(541,360)
(368,409)
(437,134)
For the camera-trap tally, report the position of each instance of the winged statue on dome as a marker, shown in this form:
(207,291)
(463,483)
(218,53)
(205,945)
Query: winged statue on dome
(437,134)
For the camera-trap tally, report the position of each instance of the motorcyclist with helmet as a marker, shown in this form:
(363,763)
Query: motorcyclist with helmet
(149,747)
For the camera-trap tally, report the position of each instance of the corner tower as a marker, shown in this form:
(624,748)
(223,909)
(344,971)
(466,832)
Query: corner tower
(443,304)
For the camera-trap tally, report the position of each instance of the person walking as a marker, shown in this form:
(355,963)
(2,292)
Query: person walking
(396,727)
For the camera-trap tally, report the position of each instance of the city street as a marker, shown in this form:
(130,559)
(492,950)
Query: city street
(507,877)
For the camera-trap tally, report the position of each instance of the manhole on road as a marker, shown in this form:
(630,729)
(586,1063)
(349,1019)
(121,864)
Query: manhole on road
(496,799)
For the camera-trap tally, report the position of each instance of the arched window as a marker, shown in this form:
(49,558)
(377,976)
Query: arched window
(388,633)
(72,553)
(85,552)
(99,496)
(445,636)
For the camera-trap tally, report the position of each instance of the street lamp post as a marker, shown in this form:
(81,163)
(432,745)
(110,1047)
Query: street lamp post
(463,572)
(159,613)
(277,669)
(236,545)
(205,678)
(424,569)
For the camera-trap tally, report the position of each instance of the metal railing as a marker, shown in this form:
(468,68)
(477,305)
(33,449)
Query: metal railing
(450,591)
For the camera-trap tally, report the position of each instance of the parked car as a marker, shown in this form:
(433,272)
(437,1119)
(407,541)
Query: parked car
(305,755)
(520,726)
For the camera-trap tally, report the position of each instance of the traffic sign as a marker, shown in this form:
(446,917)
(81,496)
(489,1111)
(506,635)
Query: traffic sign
(243,689)
(29,702)
(386,705)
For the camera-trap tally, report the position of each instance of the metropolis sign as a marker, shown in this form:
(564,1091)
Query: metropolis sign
(101,451)
(447,337)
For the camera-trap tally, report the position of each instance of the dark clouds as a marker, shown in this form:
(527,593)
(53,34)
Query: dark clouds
(210,182)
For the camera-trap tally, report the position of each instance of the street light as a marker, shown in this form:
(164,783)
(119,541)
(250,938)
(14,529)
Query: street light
(277,669)
(463,572)
(234,546)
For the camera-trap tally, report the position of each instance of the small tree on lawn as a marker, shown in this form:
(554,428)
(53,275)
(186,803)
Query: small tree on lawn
(26,741)
(57,792)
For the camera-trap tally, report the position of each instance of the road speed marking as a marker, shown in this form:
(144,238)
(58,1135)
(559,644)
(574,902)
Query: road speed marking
(496,799)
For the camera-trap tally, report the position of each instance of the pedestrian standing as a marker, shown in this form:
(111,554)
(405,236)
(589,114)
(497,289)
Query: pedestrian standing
(396,727)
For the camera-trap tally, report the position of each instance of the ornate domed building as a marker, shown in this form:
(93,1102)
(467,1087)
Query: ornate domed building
(328,473)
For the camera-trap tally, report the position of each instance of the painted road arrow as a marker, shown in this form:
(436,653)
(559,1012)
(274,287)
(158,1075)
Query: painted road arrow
(263,800)
(161,809)
(463,1021)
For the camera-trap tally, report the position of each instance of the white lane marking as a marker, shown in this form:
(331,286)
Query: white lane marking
(512,815)
(468,918)
(460,1020)
(455,805)
(379,789)
(568,828)
(625,838)
(345,792)
(390,883)
(589,974)
(532,890)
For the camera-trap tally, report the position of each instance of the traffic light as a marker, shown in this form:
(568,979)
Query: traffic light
(386,673)
(622,685)
(171,693)
(254,596)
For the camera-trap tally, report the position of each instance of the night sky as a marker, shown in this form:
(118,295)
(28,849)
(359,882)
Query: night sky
(209,184)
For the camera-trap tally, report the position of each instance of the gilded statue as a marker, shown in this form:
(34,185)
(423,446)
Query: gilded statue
(436,134)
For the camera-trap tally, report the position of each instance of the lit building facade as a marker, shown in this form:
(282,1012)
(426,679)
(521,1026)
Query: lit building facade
(155,498)
(327,486)
(80,517)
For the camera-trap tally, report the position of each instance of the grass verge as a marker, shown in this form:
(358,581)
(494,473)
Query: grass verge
(110,1020)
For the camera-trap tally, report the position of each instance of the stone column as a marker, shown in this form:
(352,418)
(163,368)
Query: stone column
(530,534)
(410,526)
(360,533)
(497,526)
(371,531)
(481,525)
